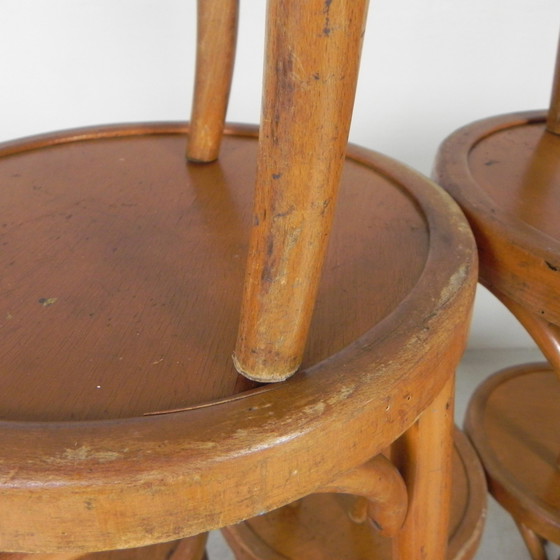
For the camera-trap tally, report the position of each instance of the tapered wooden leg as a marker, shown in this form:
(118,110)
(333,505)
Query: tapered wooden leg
(424,456)
(215,55)
(193,548)
(313,51)
(545,334)
(534,543)
(553,121)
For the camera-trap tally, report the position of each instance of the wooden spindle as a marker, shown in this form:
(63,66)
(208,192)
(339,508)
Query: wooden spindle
(553,121)
(424,456)
(312,59)
(215,56)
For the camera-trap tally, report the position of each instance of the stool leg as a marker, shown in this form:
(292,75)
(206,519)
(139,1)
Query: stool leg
(545,334)
(534,543)
(215,55)
(424,456)
(553,121)
(193,548)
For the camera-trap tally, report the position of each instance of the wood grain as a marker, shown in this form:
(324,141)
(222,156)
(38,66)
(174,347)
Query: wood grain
(505,174)
(123,422)
(383,344)
(310,82)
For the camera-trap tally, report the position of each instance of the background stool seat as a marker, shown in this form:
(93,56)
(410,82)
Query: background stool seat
(515,414)
(505,173)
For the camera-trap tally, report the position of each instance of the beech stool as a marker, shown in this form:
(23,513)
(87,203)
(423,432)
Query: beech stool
(130,276)
(505,173)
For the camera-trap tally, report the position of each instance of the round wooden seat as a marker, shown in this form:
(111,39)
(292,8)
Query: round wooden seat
(121,412)
(514,421)
(505,173)
(321,526)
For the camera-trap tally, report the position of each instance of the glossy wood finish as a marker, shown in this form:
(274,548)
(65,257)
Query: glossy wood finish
(326,527)
(166,310)
(310,81)
(505,173)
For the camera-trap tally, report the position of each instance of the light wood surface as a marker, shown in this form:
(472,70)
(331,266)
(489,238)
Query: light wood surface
(310,81)
(426,448)
(384,493)
(193,548)
(516,227)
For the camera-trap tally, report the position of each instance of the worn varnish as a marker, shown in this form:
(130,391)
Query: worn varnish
(123,422)
(393,353)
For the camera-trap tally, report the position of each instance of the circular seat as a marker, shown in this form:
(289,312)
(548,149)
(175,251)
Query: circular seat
(123,420)
(503,434)
(505,173)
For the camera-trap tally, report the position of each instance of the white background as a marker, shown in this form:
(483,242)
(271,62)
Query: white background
(428,67)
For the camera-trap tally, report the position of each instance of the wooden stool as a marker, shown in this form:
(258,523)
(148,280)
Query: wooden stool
(505,173)
(123,294)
